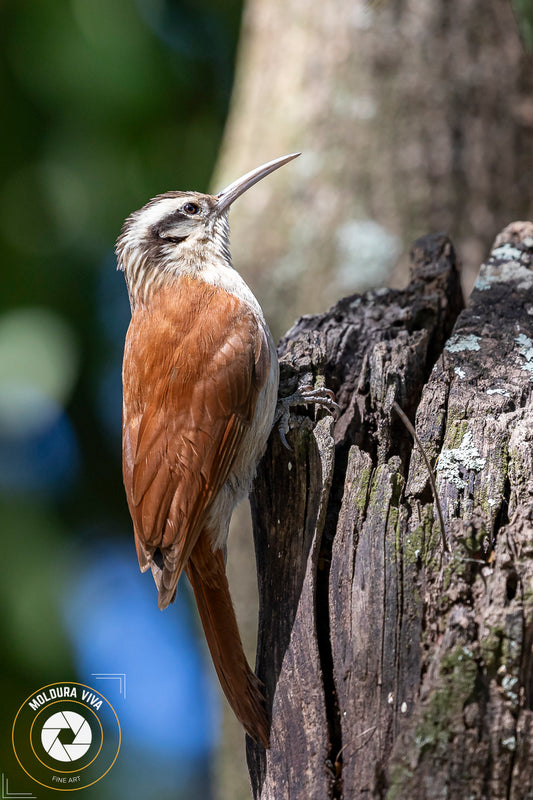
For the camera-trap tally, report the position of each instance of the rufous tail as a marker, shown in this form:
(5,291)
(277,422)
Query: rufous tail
(207,573)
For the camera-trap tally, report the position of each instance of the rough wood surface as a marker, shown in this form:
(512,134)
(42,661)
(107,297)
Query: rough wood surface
(394,670)
(469,734)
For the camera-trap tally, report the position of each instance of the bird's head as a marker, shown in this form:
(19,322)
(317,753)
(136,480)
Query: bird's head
(177,232)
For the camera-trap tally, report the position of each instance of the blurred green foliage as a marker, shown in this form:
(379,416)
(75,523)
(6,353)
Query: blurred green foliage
(523,10)
(104,104)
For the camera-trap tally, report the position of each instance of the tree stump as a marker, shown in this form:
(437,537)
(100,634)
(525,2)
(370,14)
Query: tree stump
(393,668)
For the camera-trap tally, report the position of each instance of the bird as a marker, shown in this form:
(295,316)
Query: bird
(200,386)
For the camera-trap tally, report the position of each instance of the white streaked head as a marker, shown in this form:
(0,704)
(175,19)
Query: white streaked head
(174,233)
(181,232)
(168,219)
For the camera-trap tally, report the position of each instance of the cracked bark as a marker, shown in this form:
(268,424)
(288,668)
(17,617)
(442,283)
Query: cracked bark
(393,669)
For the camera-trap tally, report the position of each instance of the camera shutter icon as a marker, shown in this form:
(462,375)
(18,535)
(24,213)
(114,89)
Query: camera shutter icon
(81,736)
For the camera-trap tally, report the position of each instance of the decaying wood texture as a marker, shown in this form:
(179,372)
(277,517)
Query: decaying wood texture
(394,669)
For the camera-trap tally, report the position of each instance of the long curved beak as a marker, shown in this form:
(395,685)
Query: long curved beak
(234,190)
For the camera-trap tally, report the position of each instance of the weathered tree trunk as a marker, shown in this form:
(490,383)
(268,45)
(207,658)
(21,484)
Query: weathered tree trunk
(412,116)
(393,667)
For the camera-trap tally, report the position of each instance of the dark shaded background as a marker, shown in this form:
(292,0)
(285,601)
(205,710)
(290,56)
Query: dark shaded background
(104,104)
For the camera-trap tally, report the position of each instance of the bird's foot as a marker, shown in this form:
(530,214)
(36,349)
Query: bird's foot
(304,396)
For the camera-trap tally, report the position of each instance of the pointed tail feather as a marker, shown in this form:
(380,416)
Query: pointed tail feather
(207,574)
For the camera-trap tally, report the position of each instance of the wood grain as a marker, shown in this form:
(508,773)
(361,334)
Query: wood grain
(393,669)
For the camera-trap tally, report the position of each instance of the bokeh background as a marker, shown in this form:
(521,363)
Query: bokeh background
(104,104)
(412,117)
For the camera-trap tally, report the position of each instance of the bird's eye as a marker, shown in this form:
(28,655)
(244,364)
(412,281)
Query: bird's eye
(191,208)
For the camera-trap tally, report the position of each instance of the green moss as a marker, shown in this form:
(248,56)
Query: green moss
(444,710)
(397,484)
(491,650)
(397,487)
(528,593)
(441,716)
(413,545)
(460,566)
(399,776)
(424,543)
(491,502)
(363,480)
(375,488)
(455,433)
(382,492)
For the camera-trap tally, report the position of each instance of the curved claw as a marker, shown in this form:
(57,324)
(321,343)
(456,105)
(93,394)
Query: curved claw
(308,395)
(303,396)
(283,438)
(281,418)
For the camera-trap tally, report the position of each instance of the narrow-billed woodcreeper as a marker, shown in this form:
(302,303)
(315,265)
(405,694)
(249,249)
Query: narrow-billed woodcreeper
(200,380)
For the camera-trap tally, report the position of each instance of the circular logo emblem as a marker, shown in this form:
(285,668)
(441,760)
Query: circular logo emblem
(66,721)
(66,736)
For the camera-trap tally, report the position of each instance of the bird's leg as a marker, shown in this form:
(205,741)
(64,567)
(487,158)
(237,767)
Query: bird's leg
(304,396)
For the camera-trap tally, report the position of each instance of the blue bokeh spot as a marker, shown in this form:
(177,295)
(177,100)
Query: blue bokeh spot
(112,615)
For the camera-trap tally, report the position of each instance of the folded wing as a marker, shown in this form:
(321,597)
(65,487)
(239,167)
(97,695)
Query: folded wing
(194,365)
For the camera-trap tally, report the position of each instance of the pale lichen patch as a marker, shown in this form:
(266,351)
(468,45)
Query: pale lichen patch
(498,391)
(510,685)
(453,462)
(509,743)
(506,263)
(482,284)
(526,351)
(457,344)
(459,372)
(506,252)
